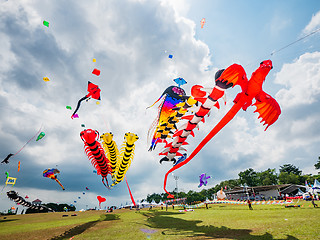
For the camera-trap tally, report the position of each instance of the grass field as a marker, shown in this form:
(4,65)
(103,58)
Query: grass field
(220,221)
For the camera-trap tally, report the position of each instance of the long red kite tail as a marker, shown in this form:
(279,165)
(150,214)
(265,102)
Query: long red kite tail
(227,118)
(59,183)
(132,200)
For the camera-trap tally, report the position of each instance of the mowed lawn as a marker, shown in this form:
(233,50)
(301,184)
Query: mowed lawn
(220,221)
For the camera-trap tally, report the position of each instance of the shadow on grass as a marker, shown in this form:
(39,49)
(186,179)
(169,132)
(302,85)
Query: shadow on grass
(83,227)
(7,220)
(189,228)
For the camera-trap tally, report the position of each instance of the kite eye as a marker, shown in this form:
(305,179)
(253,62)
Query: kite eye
(261,63)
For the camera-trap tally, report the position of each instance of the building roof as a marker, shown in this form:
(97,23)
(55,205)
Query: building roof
(37,200)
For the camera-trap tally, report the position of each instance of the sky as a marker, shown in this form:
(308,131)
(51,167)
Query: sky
(131,41)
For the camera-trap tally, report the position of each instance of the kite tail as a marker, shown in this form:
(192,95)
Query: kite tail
(78,105)
(227,118)
(134,203)
(155,102)
(59,183)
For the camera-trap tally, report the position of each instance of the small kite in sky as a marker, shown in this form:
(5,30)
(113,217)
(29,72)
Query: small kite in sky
(46,79)
(202,22)
(94,92)
(101,199)
(68,107)
(45,23)
(170,56)
(180,81)
(11,180)
(203,180)
(94,60)
(96,72)
(18,166)
(6,160)
(40,136)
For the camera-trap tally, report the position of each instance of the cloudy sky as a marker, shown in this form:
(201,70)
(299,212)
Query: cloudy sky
(131,41)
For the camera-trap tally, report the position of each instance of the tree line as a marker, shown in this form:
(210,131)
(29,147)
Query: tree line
(288,174)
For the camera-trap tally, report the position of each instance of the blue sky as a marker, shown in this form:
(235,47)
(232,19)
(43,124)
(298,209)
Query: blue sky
(131,41)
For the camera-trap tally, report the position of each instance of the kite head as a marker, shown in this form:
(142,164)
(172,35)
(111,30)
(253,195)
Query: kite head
(131,137)
(89,136)
(107,137)
(266,64)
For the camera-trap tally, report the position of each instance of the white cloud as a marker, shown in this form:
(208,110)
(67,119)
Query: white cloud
(313,24)
(301,79)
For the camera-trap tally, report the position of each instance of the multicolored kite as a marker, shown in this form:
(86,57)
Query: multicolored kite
(51,173)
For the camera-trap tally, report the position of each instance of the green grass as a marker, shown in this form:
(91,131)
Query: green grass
(220,221)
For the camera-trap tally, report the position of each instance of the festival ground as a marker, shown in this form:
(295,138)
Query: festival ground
(219,221)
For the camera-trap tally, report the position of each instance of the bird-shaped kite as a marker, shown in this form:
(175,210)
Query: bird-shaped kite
(267,107)
(94,92)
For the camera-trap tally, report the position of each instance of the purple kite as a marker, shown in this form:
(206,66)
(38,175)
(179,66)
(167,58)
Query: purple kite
(203,180)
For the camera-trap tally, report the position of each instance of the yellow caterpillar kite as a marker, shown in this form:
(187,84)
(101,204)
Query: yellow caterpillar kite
(119,162)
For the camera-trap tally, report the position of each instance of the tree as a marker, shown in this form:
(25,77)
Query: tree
(155,196)
(289,168)
(286,178)
(249,177)
(268,177)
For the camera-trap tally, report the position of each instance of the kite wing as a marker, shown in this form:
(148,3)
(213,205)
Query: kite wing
(234,75)
(268,109)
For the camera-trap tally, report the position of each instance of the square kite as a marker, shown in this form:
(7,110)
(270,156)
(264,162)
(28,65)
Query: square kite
(96,72)
(45,23)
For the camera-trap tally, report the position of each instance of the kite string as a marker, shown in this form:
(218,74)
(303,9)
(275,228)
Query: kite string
(280,49)
(315,31)
(29,140)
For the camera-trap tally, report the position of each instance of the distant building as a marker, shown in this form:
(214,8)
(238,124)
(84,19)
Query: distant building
(262,192)
(37,202)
